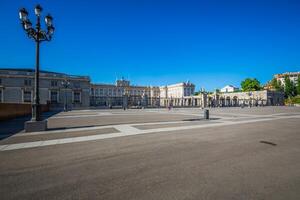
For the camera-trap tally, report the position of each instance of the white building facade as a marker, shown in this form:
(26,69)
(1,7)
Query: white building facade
(108,95)
(229,88)
(293,76)
(17,86)
(176,94)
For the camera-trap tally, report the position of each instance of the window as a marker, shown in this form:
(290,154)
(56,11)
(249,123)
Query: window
(0,81)
(53,83)
(101,92)
(77,85)
(1,95)
(54,96)
(27,96)
(77,97)
(27,82)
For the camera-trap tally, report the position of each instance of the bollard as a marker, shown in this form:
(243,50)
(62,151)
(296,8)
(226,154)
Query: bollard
(206,114)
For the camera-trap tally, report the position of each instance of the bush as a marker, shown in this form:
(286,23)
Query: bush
(293,100)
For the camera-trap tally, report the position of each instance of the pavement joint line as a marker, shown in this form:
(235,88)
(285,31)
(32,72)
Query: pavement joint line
(91,115)
(199,114)
(96,115)
(112,126)
(94,128)
(126,133)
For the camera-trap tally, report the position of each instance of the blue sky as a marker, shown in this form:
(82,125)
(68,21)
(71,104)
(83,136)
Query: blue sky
(211,43)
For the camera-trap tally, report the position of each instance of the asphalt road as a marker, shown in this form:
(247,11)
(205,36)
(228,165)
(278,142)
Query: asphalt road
(253,160)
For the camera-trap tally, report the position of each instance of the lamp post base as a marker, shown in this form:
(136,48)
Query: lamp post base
(34,126)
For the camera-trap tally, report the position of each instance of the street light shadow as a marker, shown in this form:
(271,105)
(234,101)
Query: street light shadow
(14,126)
(200,119)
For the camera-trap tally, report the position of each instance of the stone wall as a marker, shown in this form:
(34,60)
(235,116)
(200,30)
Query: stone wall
(13,110)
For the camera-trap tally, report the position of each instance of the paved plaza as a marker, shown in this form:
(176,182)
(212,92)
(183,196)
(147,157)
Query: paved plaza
(240,153)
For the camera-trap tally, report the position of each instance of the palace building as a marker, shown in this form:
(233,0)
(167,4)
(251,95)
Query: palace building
(58,90)
(252,98)
(115,94)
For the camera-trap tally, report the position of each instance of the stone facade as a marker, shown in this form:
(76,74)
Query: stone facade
(253,98)
(107,95)
(17,86)
(177,94)
(293,76)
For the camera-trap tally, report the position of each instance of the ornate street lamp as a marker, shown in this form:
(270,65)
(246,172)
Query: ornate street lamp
(38,35)
(65,84)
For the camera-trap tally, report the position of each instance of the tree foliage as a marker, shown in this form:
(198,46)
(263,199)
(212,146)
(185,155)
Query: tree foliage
(276,84)
(250,84)
(298,86)
(289,88)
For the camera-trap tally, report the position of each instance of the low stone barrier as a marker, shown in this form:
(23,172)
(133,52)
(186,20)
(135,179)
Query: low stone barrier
(13,110)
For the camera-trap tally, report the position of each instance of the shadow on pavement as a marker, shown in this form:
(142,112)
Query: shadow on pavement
(267,142)
(14,126)
(69,127)
(200,119)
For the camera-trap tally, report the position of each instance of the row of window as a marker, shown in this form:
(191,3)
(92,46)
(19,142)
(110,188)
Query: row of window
(114,92)
(54,96)
(56,84)
(29,82)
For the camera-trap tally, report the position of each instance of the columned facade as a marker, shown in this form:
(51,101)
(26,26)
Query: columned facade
(253,98)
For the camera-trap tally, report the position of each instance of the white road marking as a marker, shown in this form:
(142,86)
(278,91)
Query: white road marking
(127,131)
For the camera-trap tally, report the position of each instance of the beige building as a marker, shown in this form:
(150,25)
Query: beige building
(17,86)
(176,94)
(253,98)
(293,76)
(123,94)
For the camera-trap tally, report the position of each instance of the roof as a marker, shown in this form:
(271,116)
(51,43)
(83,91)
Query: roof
(30,70)
(229,86)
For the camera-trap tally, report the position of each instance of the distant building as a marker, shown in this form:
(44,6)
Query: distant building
(176,93)
(17,86)
(293,76)
(253,98)
(229,88)
(114,94)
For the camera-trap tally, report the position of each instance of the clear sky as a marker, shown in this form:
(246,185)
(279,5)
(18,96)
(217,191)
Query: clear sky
(156,42)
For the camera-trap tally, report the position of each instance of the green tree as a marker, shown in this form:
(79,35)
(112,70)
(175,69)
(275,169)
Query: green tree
(289,87)
(250,84)
(276,84)
(298,86)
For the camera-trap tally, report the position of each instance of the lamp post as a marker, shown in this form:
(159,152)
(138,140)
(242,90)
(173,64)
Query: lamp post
(38,35)
(65,84)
